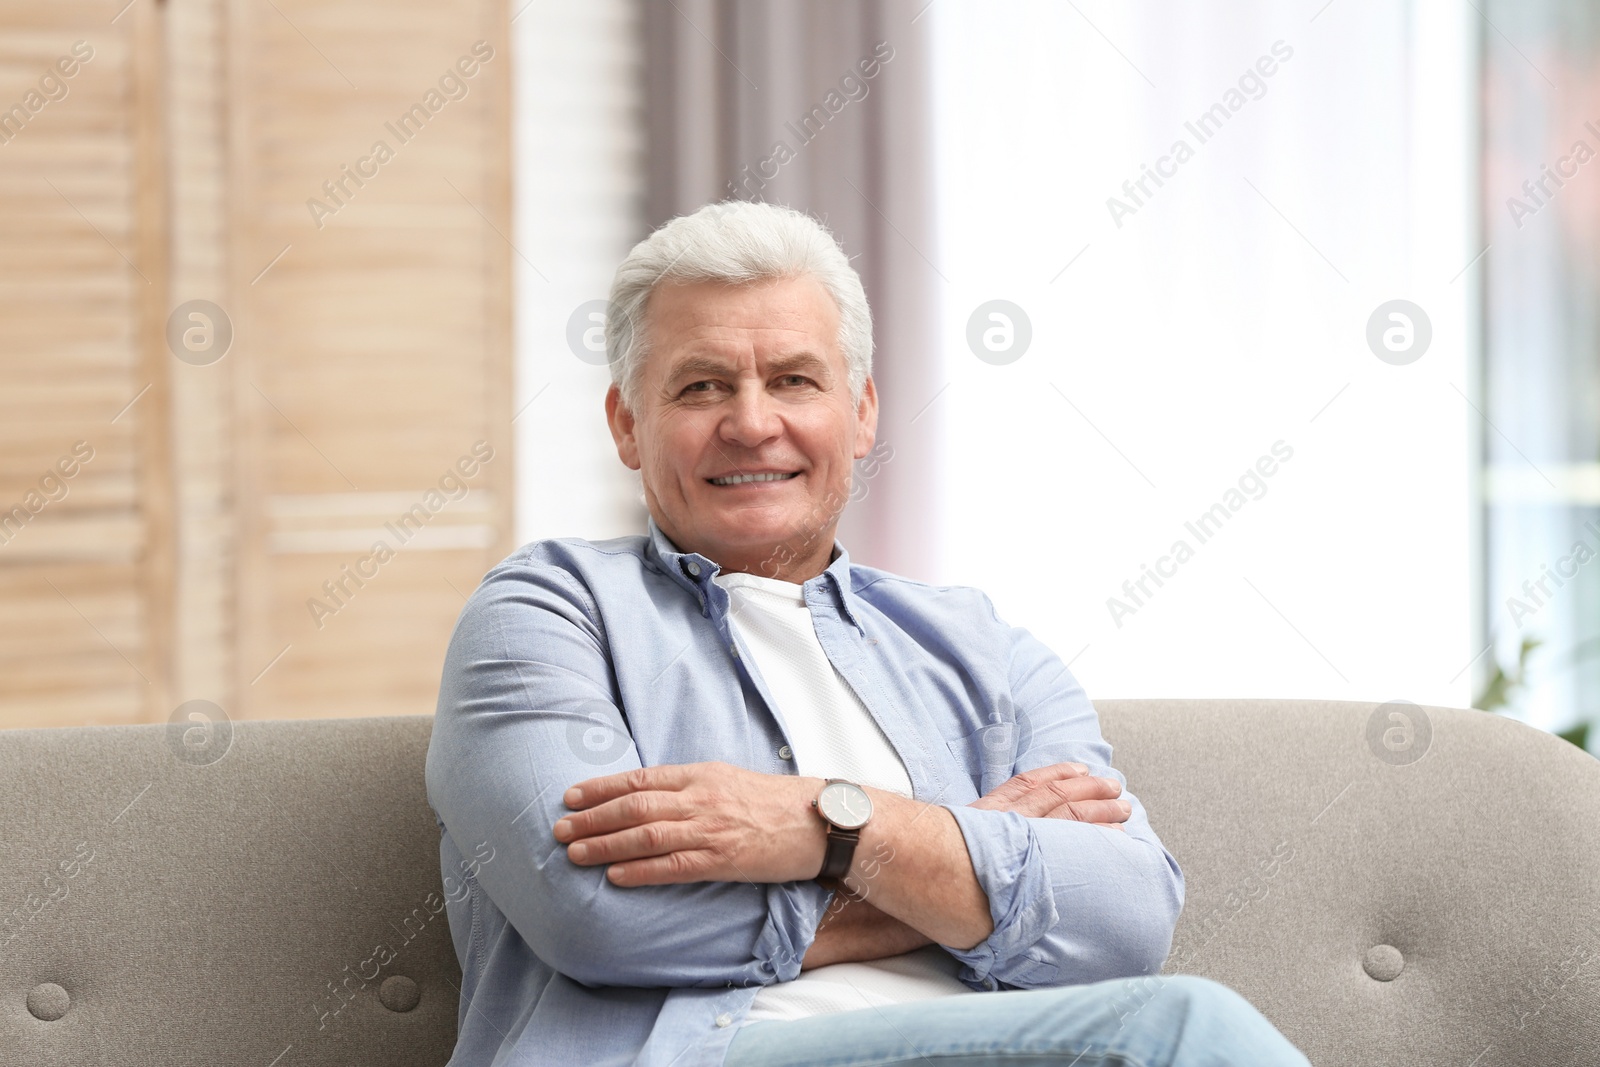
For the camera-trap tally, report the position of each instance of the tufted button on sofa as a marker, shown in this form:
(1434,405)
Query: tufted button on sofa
(1389,884)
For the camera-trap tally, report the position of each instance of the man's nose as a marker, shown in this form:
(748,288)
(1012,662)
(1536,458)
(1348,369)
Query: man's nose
(751,418)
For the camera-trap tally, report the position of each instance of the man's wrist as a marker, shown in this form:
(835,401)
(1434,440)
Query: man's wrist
(844,891)
(813,847)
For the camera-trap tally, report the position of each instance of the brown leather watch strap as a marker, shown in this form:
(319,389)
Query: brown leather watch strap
(841,850)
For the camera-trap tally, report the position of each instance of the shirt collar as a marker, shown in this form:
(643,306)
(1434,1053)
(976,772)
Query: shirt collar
(693,570)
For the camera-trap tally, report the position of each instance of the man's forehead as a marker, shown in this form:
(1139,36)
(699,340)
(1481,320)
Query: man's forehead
(701,359)
(712,332)
(705,326)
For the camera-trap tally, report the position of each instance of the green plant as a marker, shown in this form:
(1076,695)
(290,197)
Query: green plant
(1500,691)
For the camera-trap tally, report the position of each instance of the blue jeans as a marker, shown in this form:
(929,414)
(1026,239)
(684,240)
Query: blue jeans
(1176,1021)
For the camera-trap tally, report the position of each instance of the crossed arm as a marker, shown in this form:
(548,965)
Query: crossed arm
(912,873)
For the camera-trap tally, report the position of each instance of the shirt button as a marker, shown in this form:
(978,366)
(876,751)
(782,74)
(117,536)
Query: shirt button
(694,568)
(733,650)
(786,752)
(724,1019)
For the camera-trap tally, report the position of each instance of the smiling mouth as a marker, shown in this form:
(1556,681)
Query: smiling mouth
(748,479)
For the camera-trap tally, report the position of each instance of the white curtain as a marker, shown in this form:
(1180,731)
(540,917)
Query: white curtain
(1181,330)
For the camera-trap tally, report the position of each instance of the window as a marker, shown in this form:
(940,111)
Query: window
(1541,268)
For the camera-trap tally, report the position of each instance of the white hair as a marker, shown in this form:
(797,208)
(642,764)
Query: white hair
(735,241)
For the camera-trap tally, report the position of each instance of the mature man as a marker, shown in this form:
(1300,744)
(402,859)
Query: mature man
(730,798)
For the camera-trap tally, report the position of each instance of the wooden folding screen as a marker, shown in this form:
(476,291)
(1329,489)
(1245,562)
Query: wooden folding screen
(280,229)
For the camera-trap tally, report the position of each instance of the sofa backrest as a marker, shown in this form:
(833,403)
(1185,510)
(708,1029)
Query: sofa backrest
(1388,883)
(224,912)
(269,892)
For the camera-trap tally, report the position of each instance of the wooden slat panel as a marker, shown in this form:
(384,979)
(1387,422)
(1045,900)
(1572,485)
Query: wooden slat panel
(81,657)
(381,650)
(81,286)
(371,354)
(377,347)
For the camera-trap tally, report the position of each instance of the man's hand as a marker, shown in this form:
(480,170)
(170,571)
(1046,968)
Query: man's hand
(1060,791)
(695,822)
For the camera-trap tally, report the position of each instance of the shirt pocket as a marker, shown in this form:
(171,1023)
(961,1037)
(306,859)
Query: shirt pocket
(989,753)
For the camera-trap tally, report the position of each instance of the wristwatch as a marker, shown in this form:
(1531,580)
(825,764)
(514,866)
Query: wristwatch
(845,807)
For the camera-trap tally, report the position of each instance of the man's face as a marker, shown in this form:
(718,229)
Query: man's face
(746,380)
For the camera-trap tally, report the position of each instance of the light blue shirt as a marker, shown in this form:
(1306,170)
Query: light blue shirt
(575,659)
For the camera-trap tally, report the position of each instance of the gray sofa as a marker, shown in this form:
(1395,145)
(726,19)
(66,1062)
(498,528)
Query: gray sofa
(1389,884)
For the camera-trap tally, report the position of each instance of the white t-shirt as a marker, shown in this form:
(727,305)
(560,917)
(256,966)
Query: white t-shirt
(832,735)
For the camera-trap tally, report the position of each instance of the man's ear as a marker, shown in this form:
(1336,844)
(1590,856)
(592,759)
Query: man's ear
(620,419)
(867,419)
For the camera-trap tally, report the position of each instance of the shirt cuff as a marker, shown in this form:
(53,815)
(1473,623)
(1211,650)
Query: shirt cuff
(793,911)
(1011,869)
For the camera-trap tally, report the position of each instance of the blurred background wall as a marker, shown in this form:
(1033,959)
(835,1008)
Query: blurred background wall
(1283,284)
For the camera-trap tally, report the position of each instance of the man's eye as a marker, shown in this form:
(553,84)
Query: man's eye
(693,387)
(795,379)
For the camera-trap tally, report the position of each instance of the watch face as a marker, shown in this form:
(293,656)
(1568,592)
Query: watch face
(845,805)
